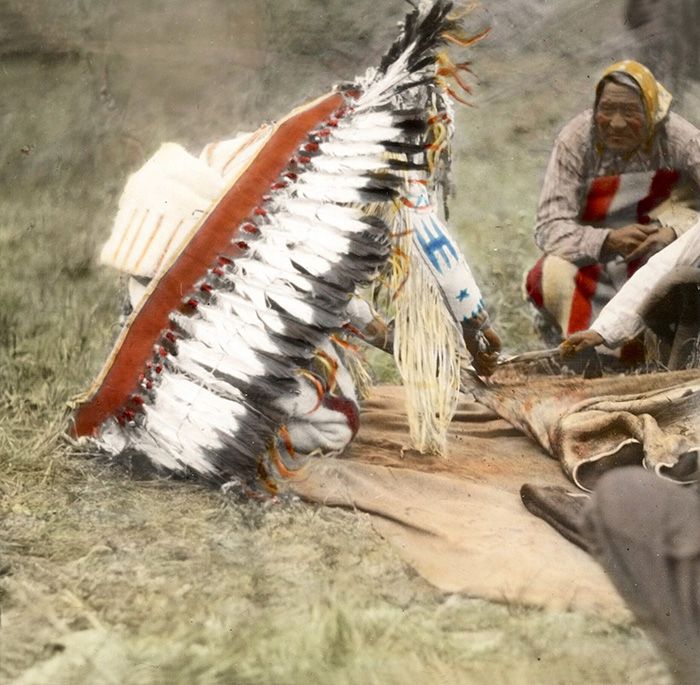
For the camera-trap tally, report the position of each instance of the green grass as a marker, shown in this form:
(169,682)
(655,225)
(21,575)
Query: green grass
(185,585)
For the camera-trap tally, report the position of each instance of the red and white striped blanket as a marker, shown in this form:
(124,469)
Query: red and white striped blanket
(574,295)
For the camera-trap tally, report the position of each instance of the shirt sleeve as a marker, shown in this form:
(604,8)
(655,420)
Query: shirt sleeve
(557,229)
(445,260)
(620,319)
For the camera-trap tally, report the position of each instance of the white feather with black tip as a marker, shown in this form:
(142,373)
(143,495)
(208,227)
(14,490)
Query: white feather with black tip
(212,408)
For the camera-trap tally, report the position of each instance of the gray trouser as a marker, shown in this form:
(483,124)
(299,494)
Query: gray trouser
(646,534)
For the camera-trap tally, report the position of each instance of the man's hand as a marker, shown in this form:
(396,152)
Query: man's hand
(625,241)
(484,347)
(654,243)
(577,342)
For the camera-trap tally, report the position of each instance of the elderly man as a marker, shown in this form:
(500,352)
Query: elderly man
(616,191)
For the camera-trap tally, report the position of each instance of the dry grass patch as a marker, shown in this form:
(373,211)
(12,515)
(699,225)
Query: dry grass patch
(109,578)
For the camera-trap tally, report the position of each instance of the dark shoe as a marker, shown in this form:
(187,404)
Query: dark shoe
(559,508)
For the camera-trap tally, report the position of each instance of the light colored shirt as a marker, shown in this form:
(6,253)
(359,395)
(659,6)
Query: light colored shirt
(575,162)
(444,259)
(620,319)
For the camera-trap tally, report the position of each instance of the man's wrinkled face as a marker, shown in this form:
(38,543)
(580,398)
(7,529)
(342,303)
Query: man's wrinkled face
(620,118)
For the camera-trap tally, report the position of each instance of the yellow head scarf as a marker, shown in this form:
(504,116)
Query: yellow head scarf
(656,99)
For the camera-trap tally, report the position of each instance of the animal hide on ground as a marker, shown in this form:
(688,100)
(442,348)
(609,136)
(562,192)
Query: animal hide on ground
(590,426)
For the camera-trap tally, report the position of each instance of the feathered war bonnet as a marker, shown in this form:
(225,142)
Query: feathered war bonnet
(240,309)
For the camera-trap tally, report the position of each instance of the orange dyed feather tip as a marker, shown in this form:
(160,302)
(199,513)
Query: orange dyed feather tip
(276,458)
(465,66)
(453,73)
(316,382)
(344,344)
(465,42)
(401,234)
(445,60)
(400,256)
(354,330)
(331,367)
(454,96)
(462,83)
(327,360)
(437,117)
(287,440)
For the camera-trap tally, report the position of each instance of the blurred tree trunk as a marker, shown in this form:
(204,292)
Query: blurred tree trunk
(668,39)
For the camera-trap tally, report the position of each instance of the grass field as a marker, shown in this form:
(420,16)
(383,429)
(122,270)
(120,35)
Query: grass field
(109,578)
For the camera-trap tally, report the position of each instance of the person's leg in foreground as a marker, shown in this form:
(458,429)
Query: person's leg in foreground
(646,534)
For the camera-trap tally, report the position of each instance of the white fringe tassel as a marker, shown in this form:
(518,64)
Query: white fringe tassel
(427,348)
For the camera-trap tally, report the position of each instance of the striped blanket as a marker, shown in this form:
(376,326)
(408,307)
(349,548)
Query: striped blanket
(572,296)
